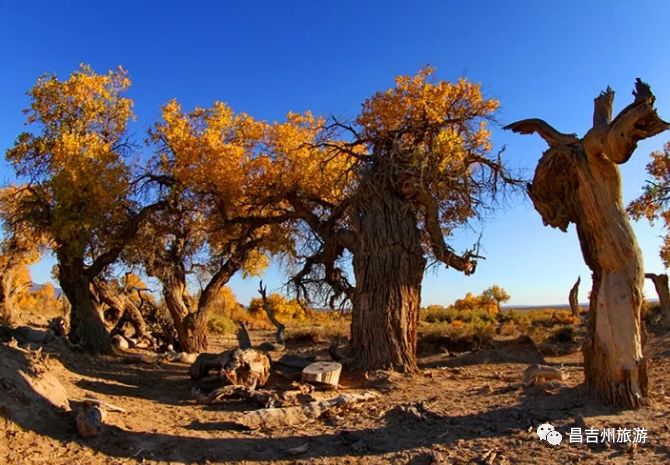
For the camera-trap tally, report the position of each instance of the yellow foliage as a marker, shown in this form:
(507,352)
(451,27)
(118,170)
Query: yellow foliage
(74,159)
(283,308)
(653,203)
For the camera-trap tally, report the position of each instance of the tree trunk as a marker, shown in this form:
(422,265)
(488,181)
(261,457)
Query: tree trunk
(573,298)
(87,328)
(661,284)
(192,333)
(388,264)
(590,194)
(191,326)
(127,309)
(578,181)
(5,301)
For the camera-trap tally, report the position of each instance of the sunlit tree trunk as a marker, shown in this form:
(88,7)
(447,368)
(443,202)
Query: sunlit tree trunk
(389,264)
(578,181)
(661,285)
(5,304)
(191,324)
(128,311)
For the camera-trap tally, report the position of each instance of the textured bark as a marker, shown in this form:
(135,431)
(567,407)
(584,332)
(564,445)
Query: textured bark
(578,181)
(87,327)
(389,266)
(5,300)
(191,326)
(128,311)
(661,284)
(167,263)
(573,297)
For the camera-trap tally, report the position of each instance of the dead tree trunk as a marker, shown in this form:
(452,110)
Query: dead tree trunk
(269,311)
(389,264)
(661,284)
(573,297)
(578,181)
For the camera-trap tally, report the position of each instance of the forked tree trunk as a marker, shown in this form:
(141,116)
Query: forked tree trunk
(578,181)
(389,264)
(661,284)
(87,328)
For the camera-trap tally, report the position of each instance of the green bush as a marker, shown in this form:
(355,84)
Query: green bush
(221,324)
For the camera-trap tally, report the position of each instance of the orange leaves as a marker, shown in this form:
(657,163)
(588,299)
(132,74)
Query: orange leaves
(422,108)
(654,202)
(73,156)
(209,149)
(303,159)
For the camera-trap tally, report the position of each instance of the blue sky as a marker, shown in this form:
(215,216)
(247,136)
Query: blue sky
(540,59)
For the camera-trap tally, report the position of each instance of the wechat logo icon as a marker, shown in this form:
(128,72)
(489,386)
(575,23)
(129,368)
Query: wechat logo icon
(546,432)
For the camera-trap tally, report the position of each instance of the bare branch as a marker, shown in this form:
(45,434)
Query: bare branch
(543,129)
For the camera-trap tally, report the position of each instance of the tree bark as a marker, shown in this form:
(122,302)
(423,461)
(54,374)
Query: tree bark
(5,298)
(128,311)
(388,264)
(661,284)
(191,325)
(578,181)
(87,327)
(192,333)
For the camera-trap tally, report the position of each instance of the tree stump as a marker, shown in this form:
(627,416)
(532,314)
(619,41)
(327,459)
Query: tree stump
(323,373)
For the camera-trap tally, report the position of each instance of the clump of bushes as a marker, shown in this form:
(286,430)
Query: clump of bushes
(473,321)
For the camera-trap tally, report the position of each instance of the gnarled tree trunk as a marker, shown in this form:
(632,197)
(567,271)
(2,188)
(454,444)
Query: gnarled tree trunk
(191,325)
(389,265)
(128,311)
(87,327)
(578,181)
(661,284)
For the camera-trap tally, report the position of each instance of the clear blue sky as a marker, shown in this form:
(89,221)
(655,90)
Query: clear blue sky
(540,59)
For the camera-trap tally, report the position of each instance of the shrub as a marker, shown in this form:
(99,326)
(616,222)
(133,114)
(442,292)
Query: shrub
(564,334)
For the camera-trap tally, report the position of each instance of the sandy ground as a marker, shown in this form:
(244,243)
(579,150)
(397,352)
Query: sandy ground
(456,411)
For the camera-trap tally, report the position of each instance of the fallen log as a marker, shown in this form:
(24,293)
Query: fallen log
(288,416)
(245,367)
(536,374)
